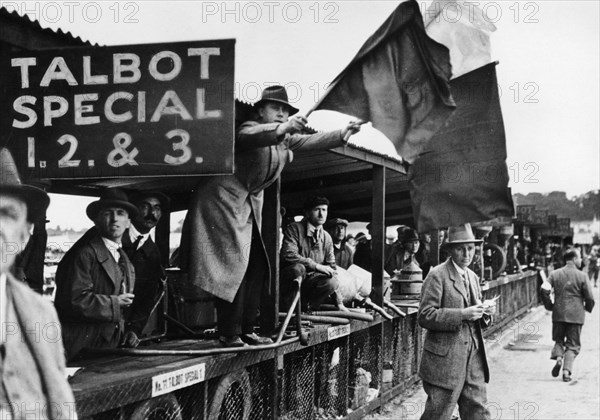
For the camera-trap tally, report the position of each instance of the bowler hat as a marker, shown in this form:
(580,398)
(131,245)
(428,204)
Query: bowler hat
(461,235)
(407,235)
(165,202)
(335,221)
(276,94)
(36,199)
(111,197)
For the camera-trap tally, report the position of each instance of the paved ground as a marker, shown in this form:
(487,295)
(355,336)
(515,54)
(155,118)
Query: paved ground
(521,386)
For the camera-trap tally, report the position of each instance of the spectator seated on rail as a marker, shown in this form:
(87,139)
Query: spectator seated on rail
(307,257)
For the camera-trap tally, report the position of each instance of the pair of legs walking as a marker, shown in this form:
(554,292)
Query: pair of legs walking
(567,343)
(471,394)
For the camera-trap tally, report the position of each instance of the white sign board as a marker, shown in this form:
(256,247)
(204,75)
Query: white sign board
(178,379)
(337,332)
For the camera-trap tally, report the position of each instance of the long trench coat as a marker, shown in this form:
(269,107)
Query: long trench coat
(218,228)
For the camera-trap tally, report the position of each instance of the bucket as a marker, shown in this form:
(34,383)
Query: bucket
(195,308)
(408,283)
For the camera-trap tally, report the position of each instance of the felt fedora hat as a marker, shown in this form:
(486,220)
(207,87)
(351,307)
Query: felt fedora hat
(111,197)
(462,234)
(36,199)
(276,94)
(165,202)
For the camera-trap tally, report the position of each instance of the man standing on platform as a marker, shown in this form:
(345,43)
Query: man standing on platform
(146,259)
(454,366)
(95,278)
(572,297)
(222,231)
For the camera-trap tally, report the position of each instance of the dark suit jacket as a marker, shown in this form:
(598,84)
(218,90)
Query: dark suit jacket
(445,350)
(87,289)
(33,371)
(572,295)
(148,275)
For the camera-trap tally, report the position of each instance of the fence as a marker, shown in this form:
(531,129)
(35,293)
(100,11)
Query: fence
(341,377)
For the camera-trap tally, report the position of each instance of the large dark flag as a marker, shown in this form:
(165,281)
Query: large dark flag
(398,81)
(462,177)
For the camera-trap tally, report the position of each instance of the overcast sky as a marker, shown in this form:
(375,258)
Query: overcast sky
(548,72)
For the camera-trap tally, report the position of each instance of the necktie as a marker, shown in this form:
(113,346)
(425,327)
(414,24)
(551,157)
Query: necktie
(131,250)
(136,243)
(123,266)
(467,288)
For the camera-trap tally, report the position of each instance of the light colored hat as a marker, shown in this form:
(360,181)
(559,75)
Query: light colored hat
(462,234)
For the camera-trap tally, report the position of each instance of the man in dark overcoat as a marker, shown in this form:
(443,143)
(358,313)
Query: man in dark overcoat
(33,381)
(146,259)
(227,256)
(572,298)
(95,279)
(454,366)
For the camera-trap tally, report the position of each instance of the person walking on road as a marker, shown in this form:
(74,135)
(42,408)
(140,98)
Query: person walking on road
(572,297)
(454,366)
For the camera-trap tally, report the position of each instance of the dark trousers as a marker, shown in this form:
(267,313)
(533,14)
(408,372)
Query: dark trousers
(316,287)
(239,317)
(567,342)
(146,292)
(471,395)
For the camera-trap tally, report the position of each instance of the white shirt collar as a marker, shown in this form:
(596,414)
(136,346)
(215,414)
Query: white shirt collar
(134,233)
(460,270)
(113,248)
(314,231)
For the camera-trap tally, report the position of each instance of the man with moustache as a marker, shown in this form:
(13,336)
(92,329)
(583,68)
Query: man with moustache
(307,257)
(146,259)
(95,279)
(454,366)
(33,381)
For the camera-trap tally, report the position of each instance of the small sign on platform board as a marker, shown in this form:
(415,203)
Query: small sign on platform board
(337,332)
(178,379)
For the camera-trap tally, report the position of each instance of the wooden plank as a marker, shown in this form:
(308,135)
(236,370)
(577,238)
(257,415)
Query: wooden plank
(378,233)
